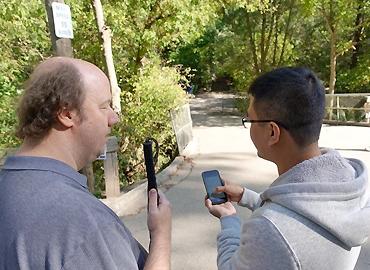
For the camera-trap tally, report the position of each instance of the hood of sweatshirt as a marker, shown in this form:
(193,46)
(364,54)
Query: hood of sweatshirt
(329,190)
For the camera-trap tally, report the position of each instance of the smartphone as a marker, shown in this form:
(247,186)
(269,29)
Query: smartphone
(211,180)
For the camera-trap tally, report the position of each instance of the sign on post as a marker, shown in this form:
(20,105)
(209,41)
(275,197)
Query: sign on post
(62,20)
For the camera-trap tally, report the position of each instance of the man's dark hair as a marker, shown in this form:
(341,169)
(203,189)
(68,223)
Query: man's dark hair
(294,97)
(46,93)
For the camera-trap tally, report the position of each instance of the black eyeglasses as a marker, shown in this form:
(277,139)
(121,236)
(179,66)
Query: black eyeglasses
(247,120)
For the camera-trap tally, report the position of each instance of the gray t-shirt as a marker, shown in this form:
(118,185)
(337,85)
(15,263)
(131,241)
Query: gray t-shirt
(49,220)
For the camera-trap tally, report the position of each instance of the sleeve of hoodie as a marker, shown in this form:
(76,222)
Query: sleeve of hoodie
(250,199)
(259,246)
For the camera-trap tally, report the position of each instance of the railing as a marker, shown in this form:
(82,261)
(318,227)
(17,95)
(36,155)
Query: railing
(354,110)
(182,126)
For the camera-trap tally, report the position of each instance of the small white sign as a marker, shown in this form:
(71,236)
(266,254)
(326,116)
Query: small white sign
(103,154)
(62,20)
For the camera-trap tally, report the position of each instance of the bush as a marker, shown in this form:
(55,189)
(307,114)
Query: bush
(242,104)
(8,99)
(145,113)
(24,41)
(356,80)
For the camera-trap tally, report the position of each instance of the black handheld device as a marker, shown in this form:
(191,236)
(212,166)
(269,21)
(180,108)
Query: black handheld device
(150,162)
(211,180)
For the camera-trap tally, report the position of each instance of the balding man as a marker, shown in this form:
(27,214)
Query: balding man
(49,220)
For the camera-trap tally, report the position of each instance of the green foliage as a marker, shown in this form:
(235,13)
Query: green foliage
(242,104)
(86,42)
(151,28)
(357,79)
(146,114)
(7,114)
(24,40)
(249,37)
(23,37)
(199,56)
(280,33)
(346,18)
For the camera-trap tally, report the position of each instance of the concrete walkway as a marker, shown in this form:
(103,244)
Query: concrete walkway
(225,145)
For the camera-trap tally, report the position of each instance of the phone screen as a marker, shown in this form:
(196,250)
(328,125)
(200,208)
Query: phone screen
(212,180)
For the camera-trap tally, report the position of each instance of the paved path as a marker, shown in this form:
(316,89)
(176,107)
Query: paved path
(224,145)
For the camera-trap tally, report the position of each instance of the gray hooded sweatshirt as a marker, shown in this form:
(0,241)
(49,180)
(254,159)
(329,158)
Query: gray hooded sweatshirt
(315,216)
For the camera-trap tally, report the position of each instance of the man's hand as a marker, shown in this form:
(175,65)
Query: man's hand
(159,216)
(234,192)
(220,210)
(159,225)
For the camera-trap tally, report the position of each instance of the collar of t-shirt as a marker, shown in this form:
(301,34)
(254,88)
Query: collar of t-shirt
(44,164)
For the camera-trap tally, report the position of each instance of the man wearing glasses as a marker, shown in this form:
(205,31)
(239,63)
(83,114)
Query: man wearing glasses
(316,214)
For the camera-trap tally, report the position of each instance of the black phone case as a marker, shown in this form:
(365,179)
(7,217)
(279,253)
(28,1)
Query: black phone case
(214,200)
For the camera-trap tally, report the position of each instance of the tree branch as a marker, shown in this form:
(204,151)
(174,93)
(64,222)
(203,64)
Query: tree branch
(287,27)
(106,36)
(276,38)
(252,44)
(271,27)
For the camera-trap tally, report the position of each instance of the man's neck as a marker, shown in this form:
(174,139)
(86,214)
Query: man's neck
(293,156)
(47,147)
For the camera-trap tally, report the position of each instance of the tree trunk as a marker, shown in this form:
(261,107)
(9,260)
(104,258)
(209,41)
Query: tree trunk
(252,44)
(262,44)
(271,28)
(276,40)
(332,29)
(357,34)
(106,37)
(286,32)
(333,64)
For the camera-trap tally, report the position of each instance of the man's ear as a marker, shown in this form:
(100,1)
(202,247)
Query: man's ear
(66,117)
(274,137)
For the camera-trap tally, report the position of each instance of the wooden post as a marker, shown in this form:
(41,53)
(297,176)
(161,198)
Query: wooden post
(61,46)
(106,34)
(112,188)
